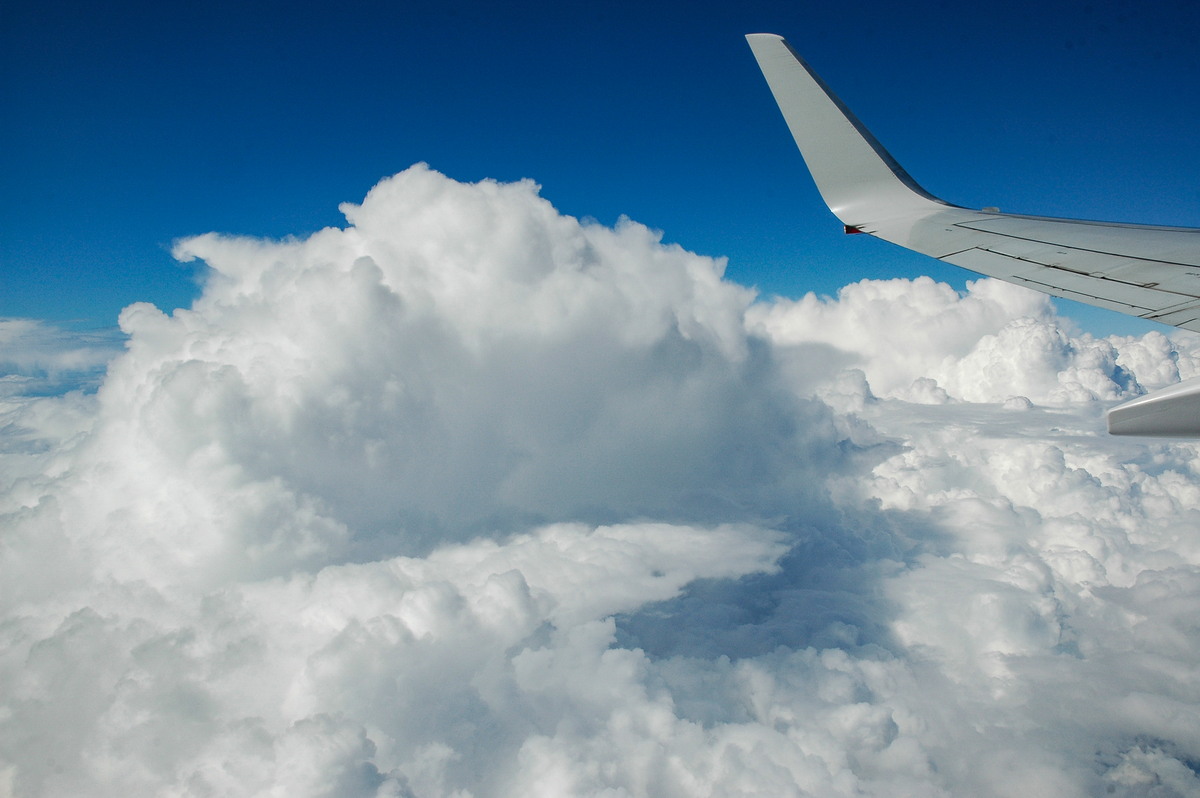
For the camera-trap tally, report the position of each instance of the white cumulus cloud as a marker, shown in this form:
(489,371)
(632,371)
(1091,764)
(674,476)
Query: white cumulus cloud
(469,498)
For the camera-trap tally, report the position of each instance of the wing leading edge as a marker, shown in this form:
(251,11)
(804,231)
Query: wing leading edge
(1144,271)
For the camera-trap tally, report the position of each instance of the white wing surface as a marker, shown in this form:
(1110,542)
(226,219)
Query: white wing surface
(1145,271)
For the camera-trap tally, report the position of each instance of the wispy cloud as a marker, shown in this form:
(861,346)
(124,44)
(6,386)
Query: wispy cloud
(36,357)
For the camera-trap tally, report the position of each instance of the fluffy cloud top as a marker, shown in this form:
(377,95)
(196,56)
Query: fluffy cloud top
(471,498)
(920,341)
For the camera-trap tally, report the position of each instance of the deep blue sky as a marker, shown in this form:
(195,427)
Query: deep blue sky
(126,125)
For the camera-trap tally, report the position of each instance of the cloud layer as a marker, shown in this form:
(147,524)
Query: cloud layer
(471,498)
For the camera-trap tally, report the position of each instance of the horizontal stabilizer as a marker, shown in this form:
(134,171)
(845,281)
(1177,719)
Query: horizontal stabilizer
(1168,413)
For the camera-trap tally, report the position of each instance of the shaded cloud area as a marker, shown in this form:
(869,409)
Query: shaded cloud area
(470,498)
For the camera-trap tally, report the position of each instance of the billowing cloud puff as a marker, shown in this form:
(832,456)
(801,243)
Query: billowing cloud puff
(920,341)
(462,359)
(471,498)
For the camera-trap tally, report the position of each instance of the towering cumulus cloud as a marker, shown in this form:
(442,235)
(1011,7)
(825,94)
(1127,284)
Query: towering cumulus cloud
(470,498)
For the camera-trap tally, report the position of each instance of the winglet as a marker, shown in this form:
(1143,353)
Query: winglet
(858,179)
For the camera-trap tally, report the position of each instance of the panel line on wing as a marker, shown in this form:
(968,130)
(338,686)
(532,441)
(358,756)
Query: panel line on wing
(1072,247)
(1089,275)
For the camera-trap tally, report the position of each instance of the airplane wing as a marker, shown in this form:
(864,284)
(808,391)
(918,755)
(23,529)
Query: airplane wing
(1145,271)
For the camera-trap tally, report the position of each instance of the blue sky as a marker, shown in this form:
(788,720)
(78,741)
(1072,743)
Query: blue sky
(128,125)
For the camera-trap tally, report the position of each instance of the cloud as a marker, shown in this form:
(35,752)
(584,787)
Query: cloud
(920,341)
(39,358)
(472,498)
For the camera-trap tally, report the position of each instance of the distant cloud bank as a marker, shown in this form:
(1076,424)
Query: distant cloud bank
(470,498)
